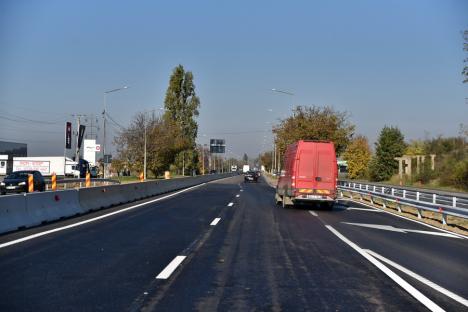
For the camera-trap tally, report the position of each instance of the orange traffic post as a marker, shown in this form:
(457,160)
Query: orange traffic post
(54,182)
(30,183)
(88,179)
(142,177)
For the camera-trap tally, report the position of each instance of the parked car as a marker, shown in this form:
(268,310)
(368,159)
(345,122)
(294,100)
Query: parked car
(17,182)
(309,175)
(250,176)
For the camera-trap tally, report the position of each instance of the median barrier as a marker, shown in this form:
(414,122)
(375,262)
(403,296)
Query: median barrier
(51,206)
(32,209)
(13,213)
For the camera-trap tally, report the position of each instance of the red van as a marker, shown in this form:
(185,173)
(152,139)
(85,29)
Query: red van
(309,174)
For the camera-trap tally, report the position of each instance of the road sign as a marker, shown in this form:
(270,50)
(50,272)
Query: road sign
(68,131)
(217,146)
(98,148)
(107,159)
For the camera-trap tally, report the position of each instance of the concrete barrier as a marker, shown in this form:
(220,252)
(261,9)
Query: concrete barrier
(27,210)
(13,213)
(51,206)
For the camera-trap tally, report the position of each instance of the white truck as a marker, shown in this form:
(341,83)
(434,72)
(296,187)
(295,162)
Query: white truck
(233,168)
(246,168)
(62,166)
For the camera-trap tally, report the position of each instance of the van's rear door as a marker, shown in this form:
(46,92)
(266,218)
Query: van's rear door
(325,167)
(306,166)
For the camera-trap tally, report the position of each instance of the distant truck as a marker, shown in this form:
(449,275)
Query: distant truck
(233,168)
(245,168)
(310,174)
(46,165)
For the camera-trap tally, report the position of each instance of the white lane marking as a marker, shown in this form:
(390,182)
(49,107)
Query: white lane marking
(241,190)
(215,221)
(313,213)
(409,219)
(170,268)
(423,280)
(230,204)
(26,238)
(394,229)
(237,195)
(428,303)
(363,209)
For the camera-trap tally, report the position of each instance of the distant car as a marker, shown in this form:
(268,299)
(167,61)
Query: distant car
(17,182)
(213,171)
(250,176)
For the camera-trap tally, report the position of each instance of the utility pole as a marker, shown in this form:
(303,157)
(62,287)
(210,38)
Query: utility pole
(144,158)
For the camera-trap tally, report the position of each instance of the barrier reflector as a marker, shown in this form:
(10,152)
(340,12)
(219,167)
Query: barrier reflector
(30,183)
(88,179)
(54,182)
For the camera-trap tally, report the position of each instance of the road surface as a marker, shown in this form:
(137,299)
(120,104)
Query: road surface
(226,246)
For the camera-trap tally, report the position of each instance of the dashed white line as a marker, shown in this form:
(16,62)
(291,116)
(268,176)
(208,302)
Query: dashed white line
(237,195)
(409,219)
(363,209)
(26,238)
(423,280)
(230,204)
(241,190)
(313,213)
(170,268)
(428,303)
(215,221)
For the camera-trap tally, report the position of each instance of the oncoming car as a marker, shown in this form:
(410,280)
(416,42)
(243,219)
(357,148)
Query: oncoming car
(250,176)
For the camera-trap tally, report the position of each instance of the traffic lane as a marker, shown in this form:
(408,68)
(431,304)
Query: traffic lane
(264,257)
(442,260)
(108,263)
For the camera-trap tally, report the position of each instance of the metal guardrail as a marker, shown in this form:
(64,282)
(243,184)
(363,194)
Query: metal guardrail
(80,182)
(420,199)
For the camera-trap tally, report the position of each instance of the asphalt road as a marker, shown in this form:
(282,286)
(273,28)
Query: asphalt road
(236,253)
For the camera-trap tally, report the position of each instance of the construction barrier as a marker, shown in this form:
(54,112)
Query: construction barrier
(13,214)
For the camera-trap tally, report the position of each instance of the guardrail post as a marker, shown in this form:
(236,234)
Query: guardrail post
(354,184)
(454,201)
(417,196)
(393,191)
(444,219)
(374,188)
(404,193)
(419,213)
(434,196)
(384,203)
(367,187)
(383,190)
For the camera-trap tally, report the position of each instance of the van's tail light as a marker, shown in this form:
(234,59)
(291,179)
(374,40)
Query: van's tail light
(293,179)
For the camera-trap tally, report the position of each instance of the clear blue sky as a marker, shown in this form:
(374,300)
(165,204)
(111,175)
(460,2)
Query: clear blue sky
(385,62)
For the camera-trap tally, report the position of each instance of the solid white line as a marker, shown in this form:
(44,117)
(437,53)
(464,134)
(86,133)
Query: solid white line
(241,190)
(26,238)
(409,219)
(313,213)
(423,280)
(215,221)
(237,195)
(394,229)
(230,204)
(428,303)
(171,267)
(363,209)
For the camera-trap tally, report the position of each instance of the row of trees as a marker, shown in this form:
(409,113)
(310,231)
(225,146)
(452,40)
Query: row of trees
(326,123)
(170,138)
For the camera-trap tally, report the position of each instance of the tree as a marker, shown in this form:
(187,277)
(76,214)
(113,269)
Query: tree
(182,104)
(314,123)
(162,144)
(358,156)
(390,144)
(245,158)
(266,159)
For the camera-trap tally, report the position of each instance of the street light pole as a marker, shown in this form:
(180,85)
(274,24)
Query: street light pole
(104,125)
